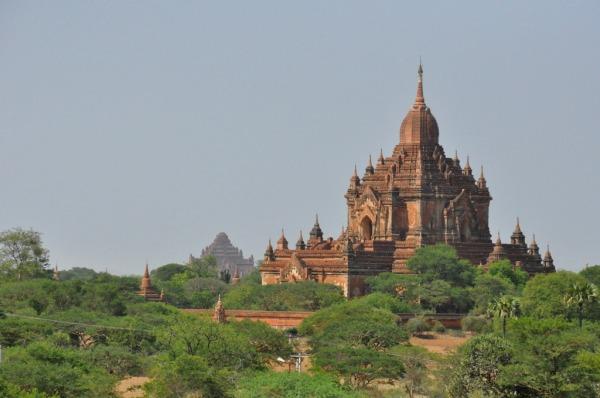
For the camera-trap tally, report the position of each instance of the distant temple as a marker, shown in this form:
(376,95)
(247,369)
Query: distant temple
(228,256)
(146,289)
(56,273)
(415,197)
(219,315)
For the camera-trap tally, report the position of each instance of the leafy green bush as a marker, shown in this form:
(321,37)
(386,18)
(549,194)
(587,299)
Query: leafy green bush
(475,324)
(291,385)
(55,371)
(301,296)
(438,327)
(543,296)
(481,359)
(187,376)
(417,326)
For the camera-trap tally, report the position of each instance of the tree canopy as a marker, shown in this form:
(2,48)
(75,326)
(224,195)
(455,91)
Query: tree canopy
(22,254)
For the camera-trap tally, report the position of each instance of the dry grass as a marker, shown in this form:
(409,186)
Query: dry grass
(131,387)
(439,343)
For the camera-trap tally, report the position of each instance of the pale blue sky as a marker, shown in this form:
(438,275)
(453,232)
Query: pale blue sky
(134,131)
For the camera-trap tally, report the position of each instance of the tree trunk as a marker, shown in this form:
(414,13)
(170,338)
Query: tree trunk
(504,327)
(580,314)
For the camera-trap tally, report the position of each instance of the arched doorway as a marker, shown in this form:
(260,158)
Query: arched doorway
(366,227)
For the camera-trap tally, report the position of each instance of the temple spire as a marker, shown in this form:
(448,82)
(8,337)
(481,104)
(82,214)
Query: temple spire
(282,243)
(548,261)
(300,245)
(534,250)
(316,233)
(381,159)
(369,170)
(467,169)
(420,98)
(269,254)
(517,237)
(481,183)
(354,183)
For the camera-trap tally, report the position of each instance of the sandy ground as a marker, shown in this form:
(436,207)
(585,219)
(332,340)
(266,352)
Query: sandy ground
(440,343)
(131,387)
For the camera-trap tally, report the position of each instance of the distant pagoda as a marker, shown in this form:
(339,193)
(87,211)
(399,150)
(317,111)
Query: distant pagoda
(146,289)
(219,314)
(229,258)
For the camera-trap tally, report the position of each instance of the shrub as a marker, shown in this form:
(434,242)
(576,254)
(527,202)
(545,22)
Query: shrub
(417,325)
(475,324)
(438,327)
(291,385)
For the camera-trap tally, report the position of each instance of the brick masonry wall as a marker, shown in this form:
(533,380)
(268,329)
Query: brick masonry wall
(292,319)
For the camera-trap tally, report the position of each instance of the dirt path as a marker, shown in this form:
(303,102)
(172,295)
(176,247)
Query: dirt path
(131,387)
(440,343)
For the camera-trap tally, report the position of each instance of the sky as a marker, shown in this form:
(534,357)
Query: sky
(136,131)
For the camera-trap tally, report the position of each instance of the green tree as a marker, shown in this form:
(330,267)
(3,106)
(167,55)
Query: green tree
(392,283)
(442,262)
(352,339)
(360,366)
(480,362)
(187,376)
(415,363)
(203,267)
(167,271)
(270,343)
(22,254)
(78,273)
(306,295)
(545,362)
(219,344)
(504,269)
(488,288)
(55,371)
(592,274)
(543,295)
(580,296)
(504,308)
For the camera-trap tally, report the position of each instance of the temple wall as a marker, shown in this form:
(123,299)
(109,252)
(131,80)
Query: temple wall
(275,319)
(292,319)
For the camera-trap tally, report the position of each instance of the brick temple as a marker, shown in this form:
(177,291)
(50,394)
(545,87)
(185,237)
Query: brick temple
(414,197)
(228,256)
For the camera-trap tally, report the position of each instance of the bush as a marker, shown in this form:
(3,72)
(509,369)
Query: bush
(475,324)
(418,325)
(301,296)
(438,327)
(291,385)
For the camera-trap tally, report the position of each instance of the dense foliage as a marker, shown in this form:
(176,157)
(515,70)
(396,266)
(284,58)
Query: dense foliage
(78,336)
(353,339)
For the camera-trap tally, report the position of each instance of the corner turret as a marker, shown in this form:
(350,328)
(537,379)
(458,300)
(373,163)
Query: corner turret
(300,245)
(517,237)
(282,243)
(269,254)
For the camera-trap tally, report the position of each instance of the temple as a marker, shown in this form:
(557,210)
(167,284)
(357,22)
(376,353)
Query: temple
(147,291)
(229,258)
(414,197)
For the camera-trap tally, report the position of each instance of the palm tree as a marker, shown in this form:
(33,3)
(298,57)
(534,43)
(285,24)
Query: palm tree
(579,295)
(504,308)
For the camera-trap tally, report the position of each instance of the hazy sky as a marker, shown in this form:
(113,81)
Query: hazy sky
(134,131)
